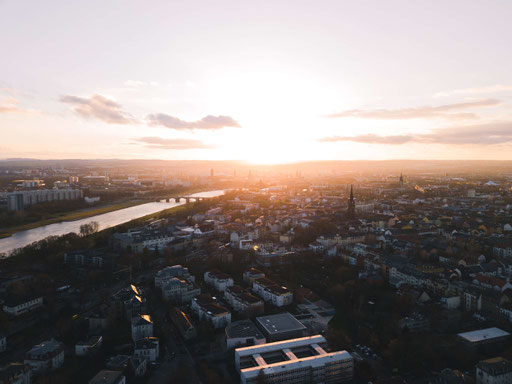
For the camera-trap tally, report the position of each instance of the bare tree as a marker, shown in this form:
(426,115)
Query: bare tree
(89,229)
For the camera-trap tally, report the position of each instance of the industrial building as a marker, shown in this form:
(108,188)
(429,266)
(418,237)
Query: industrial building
(280,327)
(487,339)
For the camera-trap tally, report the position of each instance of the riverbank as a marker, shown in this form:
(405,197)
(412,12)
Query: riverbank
(72,216)
(144,210)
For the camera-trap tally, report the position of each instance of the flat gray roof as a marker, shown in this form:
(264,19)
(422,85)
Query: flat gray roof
(282,322)
(243,328)
(483,334)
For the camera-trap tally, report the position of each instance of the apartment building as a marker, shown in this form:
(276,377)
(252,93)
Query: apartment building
(18,305)
(142,326)
(182,291)
(244,302)
(494,371)
(220,281)
(168,273)
(46,356)
(18,200)
(206,307)
(147,348)
(272,293)
(251,275)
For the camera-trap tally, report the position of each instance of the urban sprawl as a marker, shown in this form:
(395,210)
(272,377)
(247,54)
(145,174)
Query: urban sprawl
(299,277)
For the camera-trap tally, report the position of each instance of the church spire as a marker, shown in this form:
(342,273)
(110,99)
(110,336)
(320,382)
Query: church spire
(351,209)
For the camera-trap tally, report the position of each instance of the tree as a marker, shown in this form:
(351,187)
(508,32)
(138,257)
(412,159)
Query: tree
(89,229)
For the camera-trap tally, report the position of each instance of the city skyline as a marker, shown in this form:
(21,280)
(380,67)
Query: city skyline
(259,82)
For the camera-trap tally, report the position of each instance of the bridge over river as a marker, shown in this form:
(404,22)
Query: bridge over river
(105,220)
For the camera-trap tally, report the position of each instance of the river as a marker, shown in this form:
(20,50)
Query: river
(105,220)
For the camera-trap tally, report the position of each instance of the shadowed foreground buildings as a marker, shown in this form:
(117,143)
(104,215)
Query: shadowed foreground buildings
(296,361)
(494,371)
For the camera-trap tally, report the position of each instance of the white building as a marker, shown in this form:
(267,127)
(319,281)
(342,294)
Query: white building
(147,348)
(18,306)
(242,301)
(207,308)
(272,293)
(220,281)
(494,371)
(182,291)
(168,273)
(251,275)
(297,361)
(47,356)
(142,326)
(18,200)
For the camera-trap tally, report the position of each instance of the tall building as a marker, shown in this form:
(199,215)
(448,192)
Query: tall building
(17,201)
(351,209)
(401,181)
(295,361)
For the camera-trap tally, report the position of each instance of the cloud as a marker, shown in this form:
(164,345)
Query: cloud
(369,139)
(98,107)
(209,122)
(161,143)
(472,91)
(9,104)
(140,83)
(447,111)
(480,134)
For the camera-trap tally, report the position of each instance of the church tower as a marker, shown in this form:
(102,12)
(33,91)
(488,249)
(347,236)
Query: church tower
(351,209)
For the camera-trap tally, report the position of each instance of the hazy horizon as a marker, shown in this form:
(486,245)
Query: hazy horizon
(266,82)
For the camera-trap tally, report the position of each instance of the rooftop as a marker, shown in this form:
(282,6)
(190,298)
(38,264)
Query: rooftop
(282,322)
(106,377)
(483,334)
(262,357)
(496,366)
(44,349)
(243,328)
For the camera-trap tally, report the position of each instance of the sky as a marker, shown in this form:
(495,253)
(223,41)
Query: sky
(259,81)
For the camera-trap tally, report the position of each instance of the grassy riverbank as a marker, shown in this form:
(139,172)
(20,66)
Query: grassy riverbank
(71,216)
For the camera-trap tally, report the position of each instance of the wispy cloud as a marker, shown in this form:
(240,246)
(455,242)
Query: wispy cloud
(98,107)
(10,104)
(475,91)
(161,143)
(480,134)
(209,122)
(369,139)
(140,83)
(447,111)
